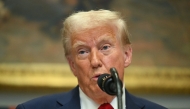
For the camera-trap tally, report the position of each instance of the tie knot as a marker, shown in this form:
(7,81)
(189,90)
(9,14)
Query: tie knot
(105,106)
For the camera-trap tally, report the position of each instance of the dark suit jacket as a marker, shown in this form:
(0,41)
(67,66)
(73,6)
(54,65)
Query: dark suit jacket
(71,100)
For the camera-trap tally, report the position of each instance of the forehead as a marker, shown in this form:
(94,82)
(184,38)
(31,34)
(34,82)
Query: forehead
(98,33)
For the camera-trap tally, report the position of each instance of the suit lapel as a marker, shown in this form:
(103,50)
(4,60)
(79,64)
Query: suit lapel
(69,100)
(131,102)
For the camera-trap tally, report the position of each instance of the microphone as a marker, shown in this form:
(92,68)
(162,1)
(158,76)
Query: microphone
(112,85)
(107,83)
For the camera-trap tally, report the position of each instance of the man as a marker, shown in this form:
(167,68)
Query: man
(94,42)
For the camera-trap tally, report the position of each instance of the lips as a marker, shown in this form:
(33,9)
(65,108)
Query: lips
(96,77)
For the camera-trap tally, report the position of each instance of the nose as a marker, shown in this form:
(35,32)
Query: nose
(95,59)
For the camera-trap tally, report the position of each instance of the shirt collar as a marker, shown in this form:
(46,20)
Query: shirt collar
(88,103)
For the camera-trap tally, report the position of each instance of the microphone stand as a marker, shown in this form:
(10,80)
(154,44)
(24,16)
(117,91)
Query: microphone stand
(115,76)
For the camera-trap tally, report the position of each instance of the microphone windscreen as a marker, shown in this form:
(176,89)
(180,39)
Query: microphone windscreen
(101,80)
(106,83)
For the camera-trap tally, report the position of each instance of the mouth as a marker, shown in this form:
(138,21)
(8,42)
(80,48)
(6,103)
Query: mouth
(95,77)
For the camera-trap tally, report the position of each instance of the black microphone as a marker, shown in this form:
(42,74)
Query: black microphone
(112,85)
(107,84)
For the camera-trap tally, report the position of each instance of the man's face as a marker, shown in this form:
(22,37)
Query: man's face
(94,52)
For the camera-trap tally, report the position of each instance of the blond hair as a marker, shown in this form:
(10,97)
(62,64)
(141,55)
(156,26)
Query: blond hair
(81,21)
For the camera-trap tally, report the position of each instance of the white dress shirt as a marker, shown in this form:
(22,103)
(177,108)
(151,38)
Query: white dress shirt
(88,103)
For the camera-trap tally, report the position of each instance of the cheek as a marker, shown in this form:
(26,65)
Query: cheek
(82,68)
(81,73)
(114,60)
(117,61)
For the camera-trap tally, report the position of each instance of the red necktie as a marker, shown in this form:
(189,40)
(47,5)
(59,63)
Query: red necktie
(105,106)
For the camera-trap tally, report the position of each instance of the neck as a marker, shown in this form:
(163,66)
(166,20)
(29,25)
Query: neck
(103,99)
(99,97)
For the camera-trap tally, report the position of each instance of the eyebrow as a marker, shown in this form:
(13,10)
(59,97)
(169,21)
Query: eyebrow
(105,38)
(79,43)
(100,39)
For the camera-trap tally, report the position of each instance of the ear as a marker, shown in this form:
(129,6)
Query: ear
(127,55)
(71,64)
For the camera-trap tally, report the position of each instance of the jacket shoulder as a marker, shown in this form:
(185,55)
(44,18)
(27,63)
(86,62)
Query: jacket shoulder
(44,102)
(147,104)
(52,101)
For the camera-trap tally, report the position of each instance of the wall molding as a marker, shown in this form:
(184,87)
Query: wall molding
(160,80)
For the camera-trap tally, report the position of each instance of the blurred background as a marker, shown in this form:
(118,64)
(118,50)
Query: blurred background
(32,61)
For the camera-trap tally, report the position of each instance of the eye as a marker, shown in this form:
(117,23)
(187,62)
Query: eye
(105,47)
(82,52)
